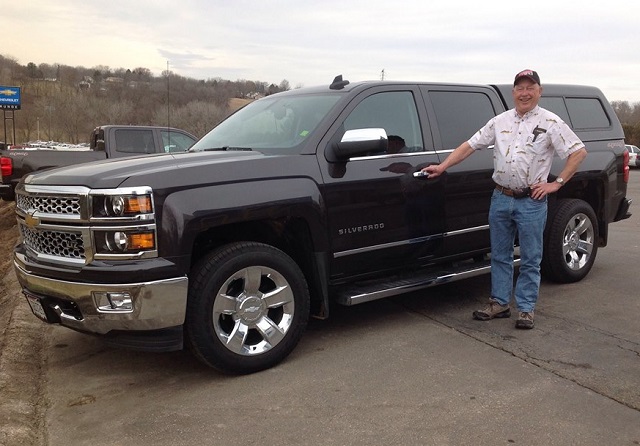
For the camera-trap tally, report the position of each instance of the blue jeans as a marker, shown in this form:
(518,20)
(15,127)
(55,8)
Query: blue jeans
(525,217)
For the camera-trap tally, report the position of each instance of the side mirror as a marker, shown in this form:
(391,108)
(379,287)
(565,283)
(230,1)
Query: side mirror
(359,142)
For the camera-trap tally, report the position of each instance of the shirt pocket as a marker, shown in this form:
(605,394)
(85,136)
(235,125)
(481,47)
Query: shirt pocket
(540,146)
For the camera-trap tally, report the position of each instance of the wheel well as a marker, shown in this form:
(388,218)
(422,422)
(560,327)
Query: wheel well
(290,235)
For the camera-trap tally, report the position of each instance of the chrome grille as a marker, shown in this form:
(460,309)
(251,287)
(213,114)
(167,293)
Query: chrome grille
(49,205)
(69,245)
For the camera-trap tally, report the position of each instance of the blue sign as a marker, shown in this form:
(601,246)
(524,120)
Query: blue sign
(9,98)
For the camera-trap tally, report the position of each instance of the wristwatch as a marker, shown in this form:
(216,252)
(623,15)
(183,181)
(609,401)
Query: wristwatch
(560,181)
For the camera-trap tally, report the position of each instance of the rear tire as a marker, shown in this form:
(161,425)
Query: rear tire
(570,242)
(248,306)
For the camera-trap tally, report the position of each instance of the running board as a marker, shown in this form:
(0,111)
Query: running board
(369,290)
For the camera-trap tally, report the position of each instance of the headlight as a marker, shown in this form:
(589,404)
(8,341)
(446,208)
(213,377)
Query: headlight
(123,223)
(114,206)
(121,205)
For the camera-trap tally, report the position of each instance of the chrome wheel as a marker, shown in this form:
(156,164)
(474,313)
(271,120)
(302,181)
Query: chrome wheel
(253,310)
(578,241)
(247,308)
(570,241)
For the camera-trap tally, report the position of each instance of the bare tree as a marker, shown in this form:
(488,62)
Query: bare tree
(143,74)
(55,102)
(284,85)
(196,117)
(629,116)
(72,108)
(623,110)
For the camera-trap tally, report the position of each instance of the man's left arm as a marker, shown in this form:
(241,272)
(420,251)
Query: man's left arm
(540,190)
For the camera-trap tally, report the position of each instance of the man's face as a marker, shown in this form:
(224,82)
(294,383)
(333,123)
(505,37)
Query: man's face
(526,95)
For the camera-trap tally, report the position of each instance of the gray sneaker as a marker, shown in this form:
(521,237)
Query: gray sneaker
(525,320)
(493,310)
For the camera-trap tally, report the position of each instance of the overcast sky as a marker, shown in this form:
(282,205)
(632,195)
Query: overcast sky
(310,42)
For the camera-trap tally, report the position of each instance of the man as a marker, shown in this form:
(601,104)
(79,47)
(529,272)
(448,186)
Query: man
(525,139)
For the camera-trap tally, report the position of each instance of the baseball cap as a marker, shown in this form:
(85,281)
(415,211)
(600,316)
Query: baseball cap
(530,74)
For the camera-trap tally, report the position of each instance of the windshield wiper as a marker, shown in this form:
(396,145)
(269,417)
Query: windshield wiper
(228,148)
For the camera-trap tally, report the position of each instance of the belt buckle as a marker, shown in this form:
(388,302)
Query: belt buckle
(522,193)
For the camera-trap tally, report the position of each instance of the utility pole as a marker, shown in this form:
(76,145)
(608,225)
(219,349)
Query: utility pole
(50,108)
(168,111)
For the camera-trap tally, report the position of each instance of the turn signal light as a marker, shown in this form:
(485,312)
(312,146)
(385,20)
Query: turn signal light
(138,205)
(142,241)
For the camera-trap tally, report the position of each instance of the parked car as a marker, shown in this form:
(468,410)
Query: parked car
(633,155)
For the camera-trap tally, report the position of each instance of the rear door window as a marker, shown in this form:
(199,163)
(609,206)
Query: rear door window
(134,141)
(460,114)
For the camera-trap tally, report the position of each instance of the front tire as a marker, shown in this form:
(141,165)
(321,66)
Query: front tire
(570,242)
(248,306)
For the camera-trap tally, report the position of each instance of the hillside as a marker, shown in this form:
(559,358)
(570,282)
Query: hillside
(63,103)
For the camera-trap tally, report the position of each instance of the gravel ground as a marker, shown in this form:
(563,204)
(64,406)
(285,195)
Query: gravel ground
(22,402)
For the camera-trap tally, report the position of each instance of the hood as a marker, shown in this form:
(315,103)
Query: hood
(112,173)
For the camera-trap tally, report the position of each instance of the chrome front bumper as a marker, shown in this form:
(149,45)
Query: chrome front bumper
(150,305)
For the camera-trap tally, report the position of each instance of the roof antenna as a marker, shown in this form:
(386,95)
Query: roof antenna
(338,83)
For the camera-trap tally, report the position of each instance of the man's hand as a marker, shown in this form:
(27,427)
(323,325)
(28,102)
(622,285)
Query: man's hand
(541,190)
(455,157)
(434,170)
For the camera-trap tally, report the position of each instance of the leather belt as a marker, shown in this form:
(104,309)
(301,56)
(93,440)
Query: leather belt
(515,193)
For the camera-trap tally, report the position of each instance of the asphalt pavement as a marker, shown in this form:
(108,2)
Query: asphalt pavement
(411,370)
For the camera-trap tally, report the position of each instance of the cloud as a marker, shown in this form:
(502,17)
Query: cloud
(309,43)
(184,61)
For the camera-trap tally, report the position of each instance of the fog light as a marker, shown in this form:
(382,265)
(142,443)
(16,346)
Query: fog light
(113,302)
(125,242)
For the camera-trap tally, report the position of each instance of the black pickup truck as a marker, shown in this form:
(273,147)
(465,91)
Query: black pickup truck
(295,203)
(107,141)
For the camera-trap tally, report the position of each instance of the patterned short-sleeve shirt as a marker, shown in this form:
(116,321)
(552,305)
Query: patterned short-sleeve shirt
(524,146)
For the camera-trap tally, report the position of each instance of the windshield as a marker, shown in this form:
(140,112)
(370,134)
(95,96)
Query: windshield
(274,124)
